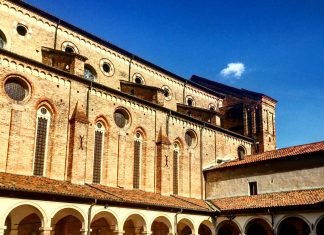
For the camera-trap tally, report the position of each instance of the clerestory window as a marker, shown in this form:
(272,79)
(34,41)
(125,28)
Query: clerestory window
(138,142)
(98,149)
(41,140)
(176,152)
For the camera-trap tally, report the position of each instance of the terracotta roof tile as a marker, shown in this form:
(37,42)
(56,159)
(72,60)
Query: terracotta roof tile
(271,200)
(56,187)
(275,154)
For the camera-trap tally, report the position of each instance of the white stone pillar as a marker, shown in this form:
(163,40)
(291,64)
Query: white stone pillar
(119,232)
(45,230)
(2,230)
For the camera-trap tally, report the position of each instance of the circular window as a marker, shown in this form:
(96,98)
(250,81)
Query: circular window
(89,73)
(106,67)
(22,30)
(121,118)
(43,111)
(138,78)
(190,138)
(212,107)
(99,125)
(167,92)
(16,88)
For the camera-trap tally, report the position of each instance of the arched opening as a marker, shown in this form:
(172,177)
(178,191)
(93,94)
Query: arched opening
(29,225)
(3,40)
(134,224)
(204,230)
(161,226)
(67,221)
(24,220)
(185,227)
(228,227)
(103,223)
(68,225)
(293,226)
(241,152)
(320,227)
(258,227)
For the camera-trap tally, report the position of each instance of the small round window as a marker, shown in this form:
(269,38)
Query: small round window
(138,78)
(190,138)
(22,30)
(69,47)
(106,67)
(167,92)
(121,118)
(16,88)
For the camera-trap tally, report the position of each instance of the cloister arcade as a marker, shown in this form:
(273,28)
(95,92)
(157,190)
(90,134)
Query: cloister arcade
(54,218)
(283,225)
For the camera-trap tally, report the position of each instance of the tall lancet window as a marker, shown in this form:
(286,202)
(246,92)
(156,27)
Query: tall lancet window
(42,129)
(176,152)
(138,142)
(98,148)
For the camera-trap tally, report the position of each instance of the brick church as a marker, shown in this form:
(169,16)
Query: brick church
(96,140)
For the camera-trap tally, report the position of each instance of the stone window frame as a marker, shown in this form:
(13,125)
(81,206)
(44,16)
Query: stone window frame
(127,115)
(253,188)
(194,138)
(138,154)
(3,40)
(176,159)
(110,64)
(48,117)
(98,130)
(29,30)
(189,97)
(67,44)
(138,76)
(169,97)
(21,79)
(241,149)
(92,70)
(212,107)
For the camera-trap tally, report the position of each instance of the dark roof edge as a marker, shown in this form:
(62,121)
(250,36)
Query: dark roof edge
(234,90)
(108,89)
(110,45)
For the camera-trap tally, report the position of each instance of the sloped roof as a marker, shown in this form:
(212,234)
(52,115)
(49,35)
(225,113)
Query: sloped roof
(35,184)
(271,200)
(294,151)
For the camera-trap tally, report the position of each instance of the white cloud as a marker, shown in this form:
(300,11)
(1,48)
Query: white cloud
(235,69)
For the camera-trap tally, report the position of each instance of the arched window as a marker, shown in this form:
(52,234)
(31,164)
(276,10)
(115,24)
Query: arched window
(98,148)
(2,40)
(138,142)
(42,129)
(176,151)
(241,152)
(89,73)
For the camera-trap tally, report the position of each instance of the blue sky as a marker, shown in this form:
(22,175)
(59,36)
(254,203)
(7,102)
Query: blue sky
(280,44)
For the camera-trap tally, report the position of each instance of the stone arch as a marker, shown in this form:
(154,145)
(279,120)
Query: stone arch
(258,226)
(293,225)
(68,219)
(185,226)
(25,216)
(161,225)
(104,222)
(228,227)
(141,130)
(319,225)
(206,228)
(49,104)
(135,223)
(103,119)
